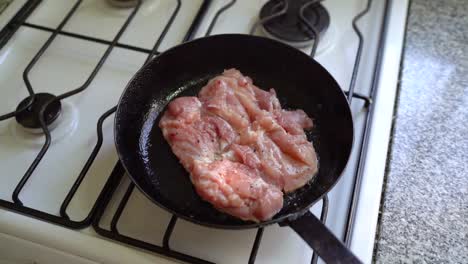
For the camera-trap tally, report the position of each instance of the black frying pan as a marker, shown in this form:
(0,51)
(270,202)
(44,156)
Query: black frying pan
(300,82)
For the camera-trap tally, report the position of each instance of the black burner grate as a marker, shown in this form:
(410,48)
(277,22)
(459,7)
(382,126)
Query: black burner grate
(63,219)
(95,215)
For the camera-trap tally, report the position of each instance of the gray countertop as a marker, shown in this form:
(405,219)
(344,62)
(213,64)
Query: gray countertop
(424,212)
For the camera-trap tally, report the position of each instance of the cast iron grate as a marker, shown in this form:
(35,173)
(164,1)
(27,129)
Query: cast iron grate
(63,219)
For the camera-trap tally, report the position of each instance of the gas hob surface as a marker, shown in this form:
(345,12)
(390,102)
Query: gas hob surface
(83,53)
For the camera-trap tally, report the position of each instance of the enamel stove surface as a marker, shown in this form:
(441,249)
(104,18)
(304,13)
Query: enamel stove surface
(67,64)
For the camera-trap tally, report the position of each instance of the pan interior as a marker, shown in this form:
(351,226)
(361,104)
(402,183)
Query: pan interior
(299,81)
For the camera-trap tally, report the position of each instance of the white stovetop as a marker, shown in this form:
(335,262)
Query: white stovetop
(68,62)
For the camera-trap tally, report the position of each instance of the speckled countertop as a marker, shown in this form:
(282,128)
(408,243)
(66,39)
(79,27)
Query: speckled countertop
(424,212)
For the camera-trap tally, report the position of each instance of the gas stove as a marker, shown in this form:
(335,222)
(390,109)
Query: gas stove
(64,65)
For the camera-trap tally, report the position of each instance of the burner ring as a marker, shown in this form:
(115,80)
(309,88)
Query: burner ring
(289,27)
(29,117)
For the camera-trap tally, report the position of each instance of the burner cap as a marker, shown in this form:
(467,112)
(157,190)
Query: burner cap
(289,27)
(29,118)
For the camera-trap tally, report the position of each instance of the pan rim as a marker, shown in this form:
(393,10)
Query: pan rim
(248,224)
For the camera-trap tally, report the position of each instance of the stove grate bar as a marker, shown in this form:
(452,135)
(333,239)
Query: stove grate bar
(88,38)
(119,211)
(323,219)
(84,171)
(367,100)
(368,123)
(359,50)
(169,230)
(256,245)
(9,30)
(217,15)
(310,26)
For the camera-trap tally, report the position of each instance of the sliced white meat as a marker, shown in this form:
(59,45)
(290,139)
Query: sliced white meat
(241,149)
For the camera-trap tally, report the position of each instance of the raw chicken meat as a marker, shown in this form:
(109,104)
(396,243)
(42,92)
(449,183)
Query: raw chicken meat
(241,149)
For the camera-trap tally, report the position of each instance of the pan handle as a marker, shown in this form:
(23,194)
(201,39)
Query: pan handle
(322,240)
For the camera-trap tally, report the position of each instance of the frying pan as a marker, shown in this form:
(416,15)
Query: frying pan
(300,82)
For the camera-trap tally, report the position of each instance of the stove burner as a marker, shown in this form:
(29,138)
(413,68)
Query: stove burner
(29,118)
(288,27)
(123,3)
